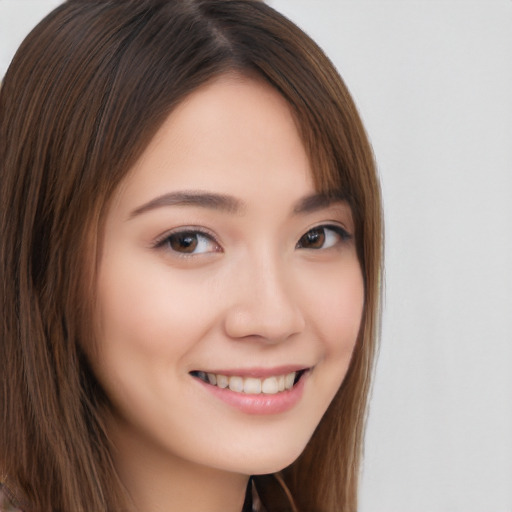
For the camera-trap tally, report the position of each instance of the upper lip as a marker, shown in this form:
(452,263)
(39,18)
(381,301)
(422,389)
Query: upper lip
(258,372)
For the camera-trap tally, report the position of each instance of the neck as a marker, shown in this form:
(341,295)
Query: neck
(157,481)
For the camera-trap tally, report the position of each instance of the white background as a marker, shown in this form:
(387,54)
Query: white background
(433,81)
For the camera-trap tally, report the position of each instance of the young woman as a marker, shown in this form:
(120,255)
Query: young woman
(190,264)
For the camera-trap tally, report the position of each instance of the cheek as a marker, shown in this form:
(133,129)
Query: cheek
(144,308)
(149,325)
(336,309)
(147,328)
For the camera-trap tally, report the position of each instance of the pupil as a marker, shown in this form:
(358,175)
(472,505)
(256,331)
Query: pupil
(316,237)
(186,242)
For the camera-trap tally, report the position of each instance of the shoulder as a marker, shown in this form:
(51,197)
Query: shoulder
(7,500)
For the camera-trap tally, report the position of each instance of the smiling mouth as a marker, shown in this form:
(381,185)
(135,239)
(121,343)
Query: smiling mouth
(251,385)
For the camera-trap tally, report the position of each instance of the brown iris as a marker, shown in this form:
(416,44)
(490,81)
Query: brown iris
(183,242)
(313,239)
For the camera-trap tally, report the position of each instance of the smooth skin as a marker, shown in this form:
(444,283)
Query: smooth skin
(213,259)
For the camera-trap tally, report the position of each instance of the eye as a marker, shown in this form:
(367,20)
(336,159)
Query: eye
(323,237)
(189,242)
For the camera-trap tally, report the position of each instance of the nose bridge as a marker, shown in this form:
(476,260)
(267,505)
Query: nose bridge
(266,305)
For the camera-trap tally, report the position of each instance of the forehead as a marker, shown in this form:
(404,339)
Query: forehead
(231,136)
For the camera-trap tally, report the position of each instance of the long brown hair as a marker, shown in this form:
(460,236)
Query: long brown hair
(84,95)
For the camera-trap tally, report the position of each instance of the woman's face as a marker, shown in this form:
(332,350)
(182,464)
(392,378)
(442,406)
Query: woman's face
(221,266)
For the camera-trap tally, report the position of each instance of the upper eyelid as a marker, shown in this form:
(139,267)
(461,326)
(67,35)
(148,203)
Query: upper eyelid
(159,240)
(332,224)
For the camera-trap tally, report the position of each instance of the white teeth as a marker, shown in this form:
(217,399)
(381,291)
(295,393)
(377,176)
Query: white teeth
(251,385)
(270,386)
(289,380)
(280,383)
(222,381)
(236,384)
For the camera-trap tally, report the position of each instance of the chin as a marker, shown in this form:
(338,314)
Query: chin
(269,460)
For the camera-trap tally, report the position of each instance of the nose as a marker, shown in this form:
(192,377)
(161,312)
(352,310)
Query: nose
(265,303)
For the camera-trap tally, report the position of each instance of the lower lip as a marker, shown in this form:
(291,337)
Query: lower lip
(261,403)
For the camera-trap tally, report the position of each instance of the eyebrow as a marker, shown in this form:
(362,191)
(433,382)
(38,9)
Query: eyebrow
(318,201)
(207,200)
(230,204)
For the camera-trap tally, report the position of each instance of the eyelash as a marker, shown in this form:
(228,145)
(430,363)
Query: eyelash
(342,234)
(197,235)
(166,240)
